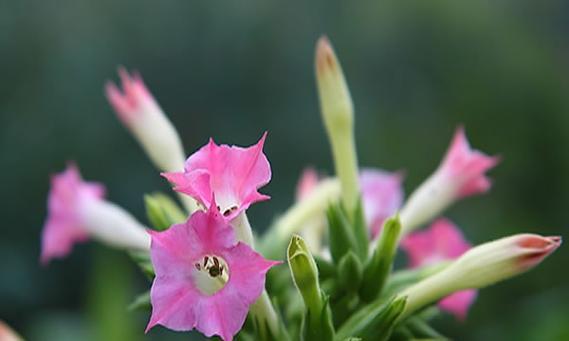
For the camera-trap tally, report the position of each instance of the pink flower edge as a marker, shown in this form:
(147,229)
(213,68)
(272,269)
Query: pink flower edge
(134,95)
(63,226)
(466,167)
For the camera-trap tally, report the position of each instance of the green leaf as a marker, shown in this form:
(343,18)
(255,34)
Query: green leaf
(350,272)
(379,266)
(141,302)
(374,321)
(162,211)
(341,234)
(326,269)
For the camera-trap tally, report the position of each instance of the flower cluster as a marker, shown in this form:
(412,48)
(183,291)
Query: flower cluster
(210,273)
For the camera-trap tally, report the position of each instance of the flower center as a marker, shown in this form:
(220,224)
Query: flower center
(211,274)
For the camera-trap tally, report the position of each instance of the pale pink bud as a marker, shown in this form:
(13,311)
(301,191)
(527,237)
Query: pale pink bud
(482,266)
(138,110)
(460,174)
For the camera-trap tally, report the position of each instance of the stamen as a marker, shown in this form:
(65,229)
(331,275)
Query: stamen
(229,211)
(211,276)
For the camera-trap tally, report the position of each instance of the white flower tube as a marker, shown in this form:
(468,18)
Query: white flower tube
(112,225)
(482,266)
(77,211)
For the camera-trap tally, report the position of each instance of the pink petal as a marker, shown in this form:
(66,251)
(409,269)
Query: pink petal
(136,97)
(63,227)
(441,241)
(382,195)
(233,174)
(465,168)
(458,303)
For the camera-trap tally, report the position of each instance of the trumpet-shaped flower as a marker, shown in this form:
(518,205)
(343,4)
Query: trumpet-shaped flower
(141,114)
(441,241)
(460,174)
(482,266)
(204,279)
(232,174)
(76,210)
(382,196)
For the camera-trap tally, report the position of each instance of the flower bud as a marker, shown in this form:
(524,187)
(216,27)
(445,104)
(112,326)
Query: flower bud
(304,273)
(317,322)
(460,174)
(140,113)
(338,115)
(381,262)
(482,266)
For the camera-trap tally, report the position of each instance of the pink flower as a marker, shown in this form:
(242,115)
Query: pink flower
(441,241)
(382,196)
(204,280)
(460,174)
(465,167)
(232,174)
(64,225)
(77,210)
(140,113)
(135,100)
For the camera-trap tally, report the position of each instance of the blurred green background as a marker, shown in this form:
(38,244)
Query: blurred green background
(231,70)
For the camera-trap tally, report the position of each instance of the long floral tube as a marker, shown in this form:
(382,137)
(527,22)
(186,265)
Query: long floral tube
(114,226)
(482,266)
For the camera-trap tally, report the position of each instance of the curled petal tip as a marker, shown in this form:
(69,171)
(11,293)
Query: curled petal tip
(325,57)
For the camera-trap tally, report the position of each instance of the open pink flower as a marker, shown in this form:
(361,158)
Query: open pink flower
(135,99)
(465,167)
(460,174)
(204,280)
(441,241)
(382,193)
(140,113)
(232,174)
(64,225)
(382,196)
(77,210)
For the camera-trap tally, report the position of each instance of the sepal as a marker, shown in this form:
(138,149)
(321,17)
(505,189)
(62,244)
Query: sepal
(162,211)
(379,266)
